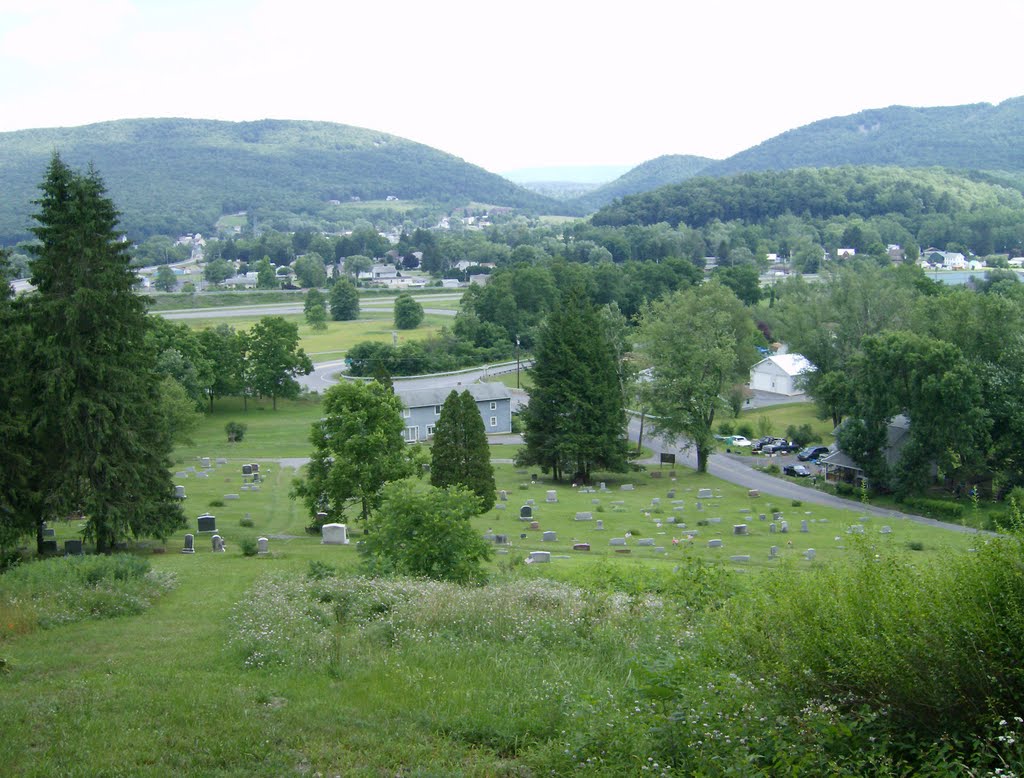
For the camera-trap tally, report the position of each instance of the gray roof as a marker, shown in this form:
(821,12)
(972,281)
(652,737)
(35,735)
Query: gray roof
(419,398)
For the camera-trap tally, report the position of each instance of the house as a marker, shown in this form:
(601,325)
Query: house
(422,408)
(845,253)
(839,466)
(779,374)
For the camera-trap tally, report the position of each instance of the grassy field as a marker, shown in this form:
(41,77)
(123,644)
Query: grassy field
(250,667)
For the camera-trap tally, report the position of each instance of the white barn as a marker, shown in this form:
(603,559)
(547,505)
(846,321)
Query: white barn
(779,374)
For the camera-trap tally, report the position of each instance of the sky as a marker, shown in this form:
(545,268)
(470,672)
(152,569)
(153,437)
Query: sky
(507,85)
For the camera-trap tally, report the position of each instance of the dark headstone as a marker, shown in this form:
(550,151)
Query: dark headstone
(49,546)
(207,523)
(73,547)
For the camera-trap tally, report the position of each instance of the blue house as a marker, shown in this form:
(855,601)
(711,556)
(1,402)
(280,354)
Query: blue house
(423,408)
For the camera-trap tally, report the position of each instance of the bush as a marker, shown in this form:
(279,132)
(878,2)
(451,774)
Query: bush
(235,431)
(745,430)
(802,435)
(844,489)
(216,503)
(248,546)
(246,521)
(725,429)
(936,508)
(796,503)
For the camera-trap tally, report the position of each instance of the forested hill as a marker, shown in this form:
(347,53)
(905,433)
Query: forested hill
(655,173)
(964,137)
(934,205)
(180,175)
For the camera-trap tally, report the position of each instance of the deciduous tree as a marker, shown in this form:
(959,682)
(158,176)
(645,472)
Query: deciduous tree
(344,301)
(357,448)
(408,312)
(274,358)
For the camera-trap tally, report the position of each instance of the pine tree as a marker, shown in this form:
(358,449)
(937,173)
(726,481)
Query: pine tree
(575,420)
(460,454)
(99,445)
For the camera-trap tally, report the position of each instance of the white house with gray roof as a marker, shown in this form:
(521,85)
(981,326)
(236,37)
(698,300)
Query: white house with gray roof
(422,408)
(780,373)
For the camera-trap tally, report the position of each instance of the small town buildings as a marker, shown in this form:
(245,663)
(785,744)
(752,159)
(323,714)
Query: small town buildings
(422,408)
(780,374)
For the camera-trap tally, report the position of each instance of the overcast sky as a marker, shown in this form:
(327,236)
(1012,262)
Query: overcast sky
(507,85)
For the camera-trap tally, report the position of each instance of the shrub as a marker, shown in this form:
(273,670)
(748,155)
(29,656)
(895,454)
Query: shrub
(725,429)
(246,521)
(796,503)
(235,431)
(915,545)
(802,435)
(936,508)
(248,546)
(216,503)
(844,489)
(745,429)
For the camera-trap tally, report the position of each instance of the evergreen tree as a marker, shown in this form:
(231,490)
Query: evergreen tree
(460,454)
(408,312)
(344,300)
(99,444)
(576,420)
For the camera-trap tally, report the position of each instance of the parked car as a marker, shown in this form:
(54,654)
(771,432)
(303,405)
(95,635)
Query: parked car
(738,440)
(812,452)
(768,440)
(780,447)
(798,471)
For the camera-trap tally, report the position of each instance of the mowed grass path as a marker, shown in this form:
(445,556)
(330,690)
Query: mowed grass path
(165,693)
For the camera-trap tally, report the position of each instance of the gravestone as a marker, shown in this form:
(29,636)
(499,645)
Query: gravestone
(50,547)
(659,549)
(246,469)
(205,462)
(595,501)
(744,510)
(603,486)
(704,494)
(776,515)
(189,544)
(655,502)
(218,544)
(245,487)
(627,488)
(49,532)
(655,474)
(700,505)
(540,556)
(623,551)
(581,547)
(549,536)
(599,524)
(499,506)
(809,555)
(645,541)
(773,552)
(334,535)
(202,474)
(222,461)
(489,537)
(584,516)
(772,528)
(715,520)
(501,540)
(181,474)
(617,542)
(783,527)
(526,513)
(72,548)
(856,529)
(715,543)
(503,496)
(740,558)
(552,496)
(671,494)
(886,530)
(739,529)
(207,523)
(522,536)
(671,520)
(179,492)
(803,526)
(753,493)
(531,503)
(231,497)
(262,545)
(190,469)
(534,525)
(255,467)
(761,517)
(321,518)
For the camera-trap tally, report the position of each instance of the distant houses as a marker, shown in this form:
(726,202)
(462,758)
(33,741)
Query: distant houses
(780,374)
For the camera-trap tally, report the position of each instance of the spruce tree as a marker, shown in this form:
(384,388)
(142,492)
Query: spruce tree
(576,419)
(460,454)
(99,446)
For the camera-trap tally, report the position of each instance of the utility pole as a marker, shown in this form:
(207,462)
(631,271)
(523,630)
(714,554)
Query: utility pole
(517,361)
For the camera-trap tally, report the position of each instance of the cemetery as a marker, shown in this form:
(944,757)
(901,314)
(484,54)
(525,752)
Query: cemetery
(262,668)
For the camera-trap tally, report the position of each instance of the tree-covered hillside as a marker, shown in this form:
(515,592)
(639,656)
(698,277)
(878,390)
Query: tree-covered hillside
(964,137)
(179,175)
(655,173)
(934,207)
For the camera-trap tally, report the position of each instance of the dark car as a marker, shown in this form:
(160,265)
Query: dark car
(798,471)
(780,447)
(768,440)
(812,452)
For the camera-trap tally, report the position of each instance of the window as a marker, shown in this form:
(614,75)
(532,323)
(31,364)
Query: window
(437,410)
(430,430)
(412,434)
(406,413)
(494,421)
(494,406)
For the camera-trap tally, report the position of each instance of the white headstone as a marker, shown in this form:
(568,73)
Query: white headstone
(599,524)
(773,552)
(549,536)
(334,534)
(886,530)
(503,496)
(645,541)
(740,558)
(204,461)
(218,543)
(715,543)
(552,496)
(584,516)
(772,529)
(617,542)
(704,494)
(784,526)
(179,492)
(540,556)
(809,555)
(263,545)
(803,526)
(627,487)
